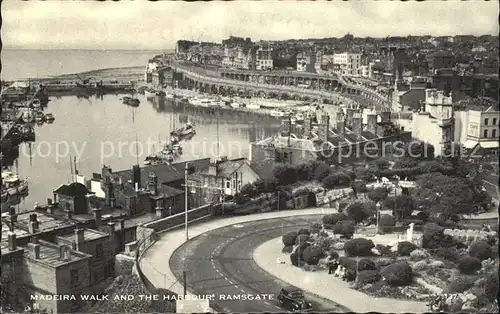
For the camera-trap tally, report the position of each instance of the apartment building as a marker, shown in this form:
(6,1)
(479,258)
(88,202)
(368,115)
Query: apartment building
(350,63)
(476,127)
(264,58)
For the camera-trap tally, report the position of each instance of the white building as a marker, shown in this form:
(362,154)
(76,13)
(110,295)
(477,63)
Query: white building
(264,58)
(477,127)
(434,124)
(349,62)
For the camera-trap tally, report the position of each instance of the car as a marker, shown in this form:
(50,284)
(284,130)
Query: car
(293,299)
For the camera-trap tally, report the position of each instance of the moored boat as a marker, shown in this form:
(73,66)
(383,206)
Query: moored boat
(131,101)
(12,184)
(49,117)
(187,130)
(39,116)
(36,103)
(149,92)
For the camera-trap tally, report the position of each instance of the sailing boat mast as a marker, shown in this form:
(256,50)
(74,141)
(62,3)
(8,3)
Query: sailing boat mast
(71,166)
(137,149)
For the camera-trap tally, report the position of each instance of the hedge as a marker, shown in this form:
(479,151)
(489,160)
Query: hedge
(301,239)
(449,254)
(366,264)
(287,249)
(289,238)
(459,284)
(481,250)
(387,220)
(315,227)
(368,276)
(294,259)
(348,263)
(344,227)
(301,248)
(469,265)
(398,274)
(312,255)
(357,212)
(491,287)
(331,219)
(359,247)
(405,248)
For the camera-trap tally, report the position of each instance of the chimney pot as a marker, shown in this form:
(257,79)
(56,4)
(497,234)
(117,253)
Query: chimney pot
(11,236)
(97,216)
(69,213)
(65,253)
(80,238)
(34,250)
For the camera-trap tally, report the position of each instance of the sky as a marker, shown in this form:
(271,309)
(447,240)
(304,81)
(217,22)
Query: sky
(146,25)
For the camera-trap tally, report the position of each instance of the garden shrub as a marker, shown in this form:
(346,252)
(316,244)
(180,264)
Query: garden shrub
(312,255)
(357,212)
(382,163)
(321,172)
(345,228)
(331,219)
(449,254)
(432,236)
(366,264)
(348,263)
(304,231)
(469,264)
(419,254)
(301,248)
(459,284)
(359,247)
(368,276)
(333,254)
(419,266)
(289,238)
(491,287)
(422,216)
(405,248)
(387,220)
(481,250)
(301,239)
(328,242)
(338,246)
(436,264)
(315,228)
(287,249)
(384,250)
(336,179)
(384,261)
(398,274)
(294,259)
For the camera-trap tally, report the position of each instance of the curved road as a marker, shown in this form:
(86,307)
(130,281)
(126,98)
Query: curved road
(220,262)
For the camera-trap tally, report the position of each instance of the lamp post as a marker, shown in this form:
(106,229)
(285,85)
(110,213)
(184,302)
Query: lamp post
(378,217)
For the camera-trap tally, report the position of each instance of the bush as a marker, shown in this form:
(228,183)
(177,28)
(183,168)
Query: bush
(287,249)
(491,287)
(330,220)
(348,263)
(294,259)
(321,172)
(359,247)
(384,261)
(336,179)
(368,276)
(315,228)
(382,163)
(333,254)
(357,212)
(289,238)
(420,265)
(422,216)
(419,254)
(378,194)
(459,284)
(398,274)
(469,265)
(301,239)
(432,236)
(299,250)
(449,254)
(305,231)
(387,220)
(312,255)
(345,228)
(366,264)
(384,250)
(481,250)
(405,248)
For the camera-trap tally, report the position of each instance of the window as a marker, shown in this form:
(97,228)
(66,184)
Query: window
(98,250)
(228,184)
(74,277)
(494,133)
(485,133)
(494,121)
(485,121)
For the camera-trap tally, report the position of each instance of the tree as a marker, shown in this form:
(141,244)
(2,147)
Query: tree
(443,195)
(312,254)
(419,150)
(285,174)
(322,171)
(382,163)
(402,206)
(378,194)
(336,179)
(357,212)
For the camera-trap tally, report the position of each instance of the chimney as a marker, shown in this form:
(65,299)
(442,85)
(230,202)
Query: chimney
(153,183)
(340,123)
(12,214)
(33,224)
(97,216)
(307,126)
(11,236)
(64,253)
(349,113)
(372,123)
(111,226)
(286,127)
(122,224)
(34,250)
(212,168)
(69,213)
(160,211)
(80,239)
(324,128)
(357,124)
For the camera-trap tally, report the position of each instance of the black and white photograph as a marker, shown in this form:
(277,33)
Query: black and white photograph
(249,156)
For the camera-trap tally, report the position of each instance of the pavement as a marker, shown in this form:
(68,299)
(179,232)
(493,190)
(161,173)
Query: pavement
(155,261)
(327,286)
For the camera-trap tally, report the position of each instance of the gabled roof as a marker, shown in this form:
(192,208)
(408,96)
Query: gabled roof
(74,189)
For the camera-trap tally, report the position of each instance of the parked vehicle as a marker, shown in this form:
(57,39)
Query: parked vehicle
(292,299)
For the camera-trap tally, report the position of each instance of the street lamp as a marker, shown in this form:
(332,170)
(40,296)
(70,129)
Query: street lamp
(378,216)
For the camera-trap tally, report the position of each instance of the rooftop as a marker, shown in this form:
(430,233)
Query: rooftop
(88,235)
(263,168)
(73,189)
(45,223)
(50,254)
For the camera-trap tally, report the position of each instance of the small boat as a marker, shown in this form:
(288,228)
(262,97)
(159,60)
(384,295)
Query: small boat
(131,101)
(177,148)
(12,184)
(185,131)
(39,116)
(149,92)
(161,93)
(49,117)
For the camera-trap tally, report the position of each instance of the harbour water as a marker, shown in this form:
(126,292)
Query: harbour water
(22,64)
(102,130)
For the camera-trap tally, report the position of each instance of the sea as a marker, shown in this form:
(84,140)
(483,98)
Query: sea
(101,130)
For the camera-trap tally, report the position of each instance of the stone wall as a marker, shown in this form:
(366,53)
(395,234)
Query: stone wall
(124,265)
